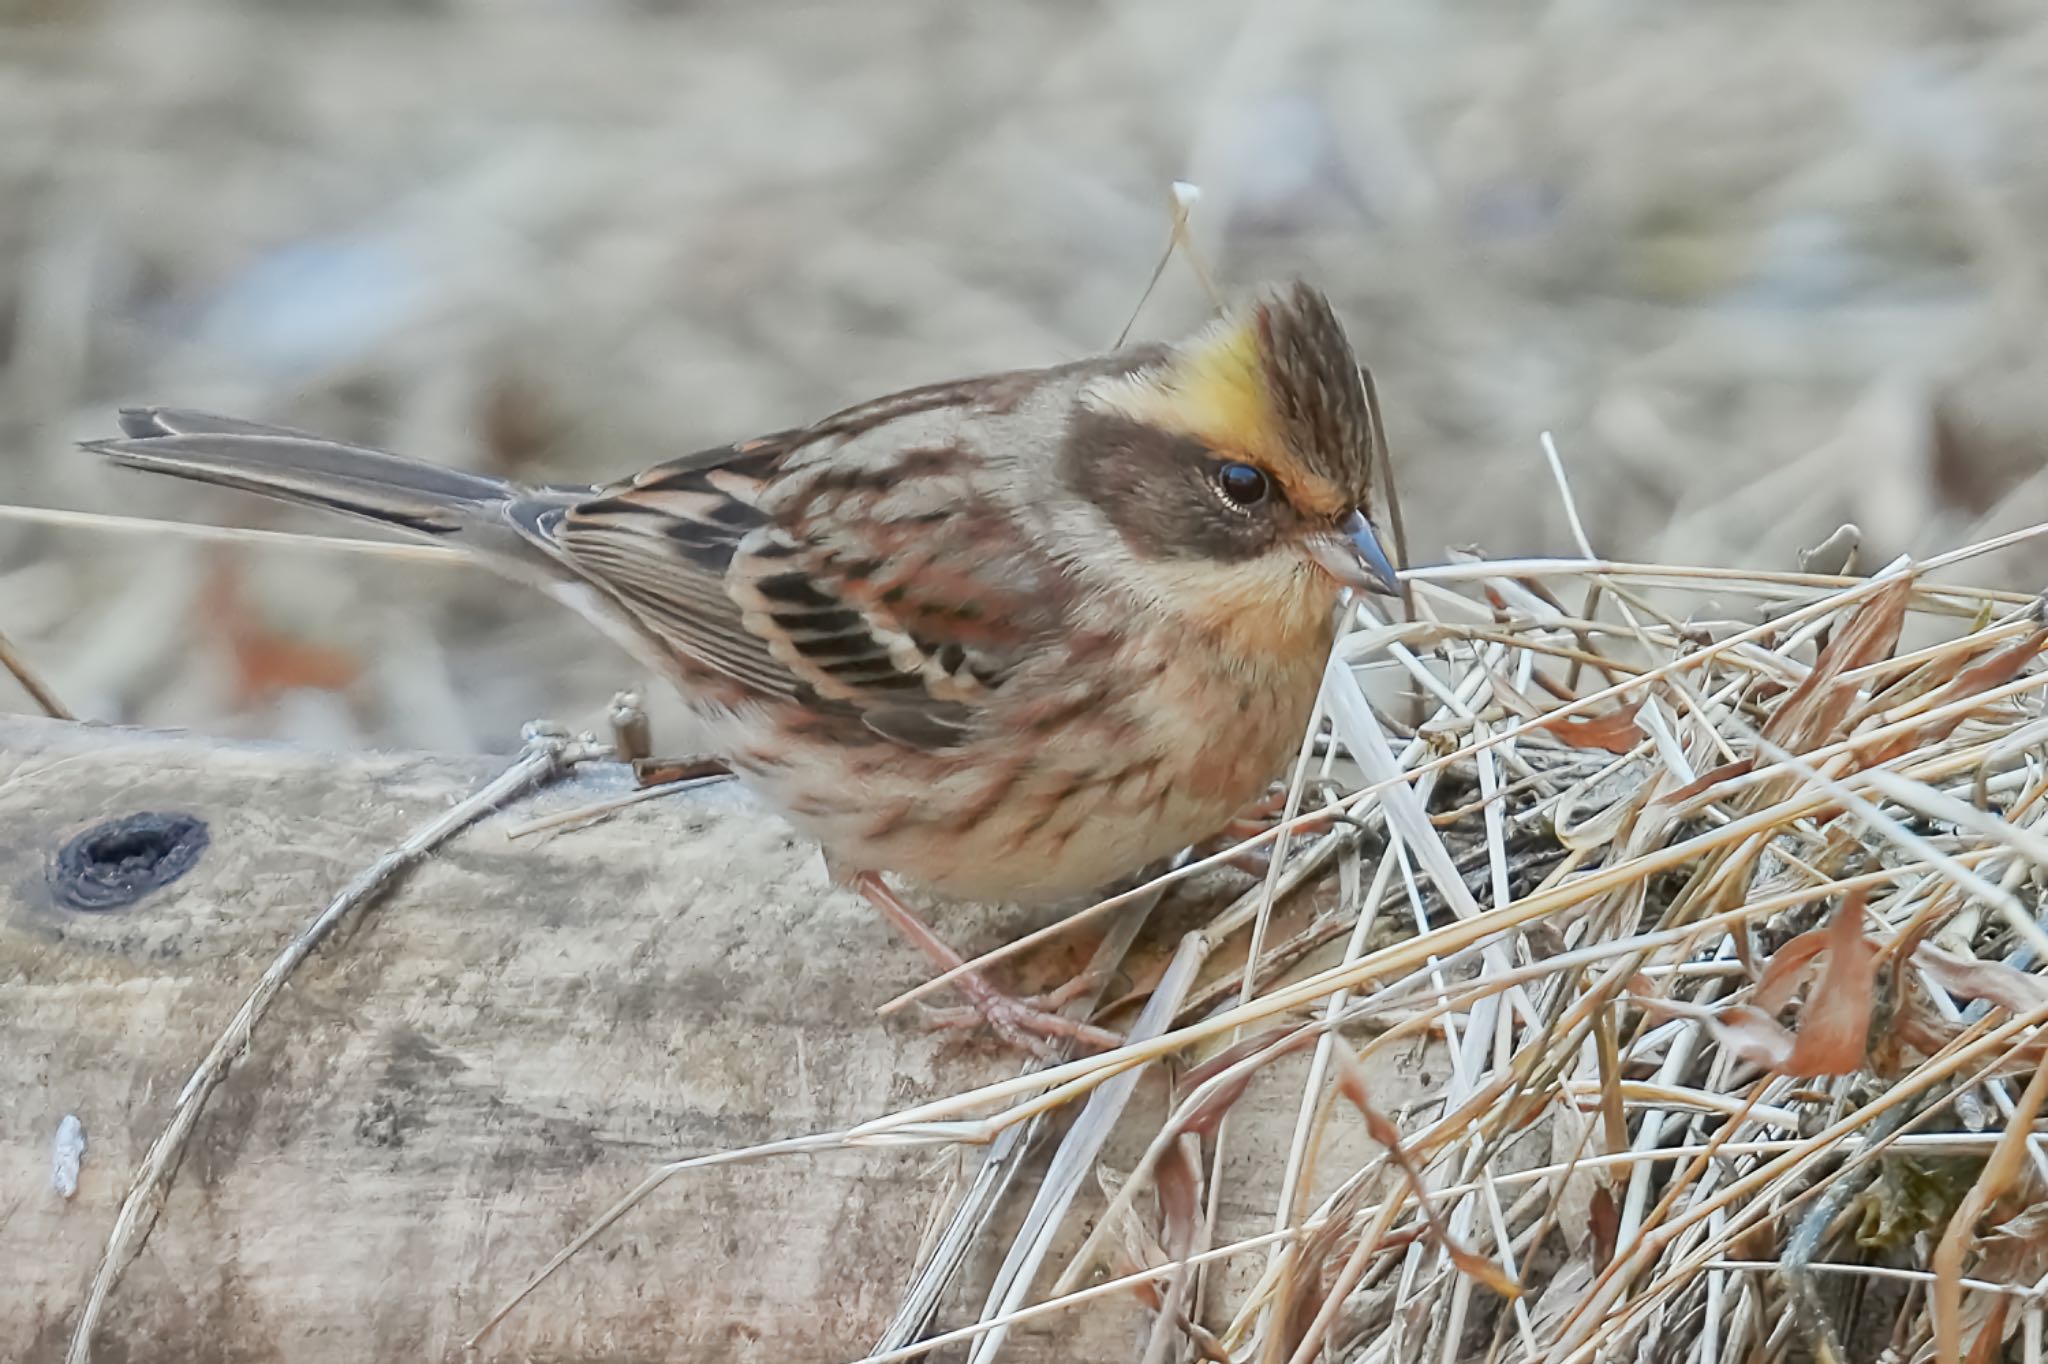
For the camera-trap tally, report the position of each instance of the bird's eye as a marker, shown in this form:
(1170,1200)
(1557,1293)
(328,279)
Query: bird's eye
(1242,484)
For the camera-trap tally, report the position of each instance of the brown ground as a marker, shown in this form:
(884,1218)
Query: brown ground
(1760,268)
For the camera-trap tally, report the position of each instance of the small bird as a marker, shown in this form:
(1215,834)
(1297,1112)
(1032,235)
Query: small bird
(1007,638)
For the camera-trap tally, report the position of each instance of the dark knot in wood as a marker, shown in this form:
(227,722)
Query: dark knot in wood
(115,863)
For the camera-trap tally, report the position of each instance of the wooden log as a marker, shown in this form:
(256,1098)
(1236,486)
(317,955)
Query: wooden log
(462,1077)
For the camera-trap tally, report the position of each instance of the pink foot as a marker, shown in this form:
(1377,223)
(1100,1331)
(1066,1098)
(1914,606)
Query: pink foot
(1026,1024)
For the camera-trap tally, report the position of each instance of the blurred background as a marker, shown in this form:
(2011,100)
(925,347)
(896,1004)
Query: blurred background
(1761,268)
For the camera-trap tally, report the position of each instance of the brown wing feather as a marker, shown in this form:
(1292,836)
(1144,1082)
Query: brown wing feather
(662,544)
(799,586)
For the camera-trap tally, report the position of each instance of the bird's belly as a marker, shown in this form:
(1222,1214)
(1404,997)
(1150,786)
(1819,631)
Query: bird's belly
(1047,819)
(1055,833)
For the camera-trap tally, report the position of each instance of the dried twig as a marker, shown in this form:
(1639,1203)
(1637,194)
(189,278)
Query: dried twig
(38,690)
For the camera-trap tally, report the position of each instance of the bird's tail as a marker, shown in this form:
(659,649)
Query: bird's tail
(311,470)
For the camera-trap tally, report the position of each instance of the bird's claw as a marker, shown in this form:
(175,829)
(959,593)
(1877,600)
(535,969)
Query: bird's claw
(1027,1025)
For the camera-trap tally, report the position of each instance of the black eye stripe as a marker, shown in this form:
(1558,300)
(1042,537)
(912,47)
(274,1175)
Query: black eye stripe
(1162,492)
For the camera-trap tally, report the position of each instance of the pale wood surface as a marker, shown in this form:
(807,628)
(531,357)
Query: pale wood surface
(463,1078)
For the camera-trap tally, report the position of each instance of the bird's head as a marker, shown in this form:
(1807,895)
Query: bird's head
(1237,466)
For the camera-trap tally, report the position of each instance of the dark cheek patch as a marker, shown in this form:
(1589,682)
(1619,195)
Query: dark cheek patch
(1154,488)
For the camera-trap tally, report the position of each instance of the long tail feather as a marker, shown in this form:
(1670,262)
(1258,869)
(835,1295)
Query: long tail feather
(306,469)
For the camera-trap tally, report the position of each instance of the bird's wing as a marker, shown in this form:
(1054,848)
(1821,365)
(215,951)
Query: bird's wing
(876,608)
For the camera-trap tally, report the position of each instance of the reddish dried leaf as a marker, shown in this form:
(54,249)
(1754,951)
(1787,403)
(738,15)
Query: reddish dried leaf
(1606,1227)
(1707,781)
(1540,590)
(1476,1266)
(1126,1262)
(1197,1076)
(1916,1027)
(1759,1242)
(1917,930)
(1787,970)
(2016,991)
(1208,1113)
(1995,669)
(1380,1128)
(1304,1282)
(1614,732)
(1834,1027)
(1920,1029)
(1179,1181)
(1813,714)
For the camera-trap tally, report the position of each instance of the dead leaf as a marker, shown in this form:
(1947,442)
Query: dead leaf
(1707,781)
(1197,1076)
(2016,1250)
(1756,1242)
(1210,1111)
(1993,981)
(1916,1027)
(1834,1027)
(1305,1273)
(1813,713)
(1606,1227)
(1834,1023)
(1984,1349)
(1179,1181)
(1787,969)
(1995,669)
(1614,732)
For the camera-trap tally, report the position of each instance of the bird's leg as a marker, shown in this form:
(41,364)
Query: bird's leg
(1024,1024)
(633,744)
